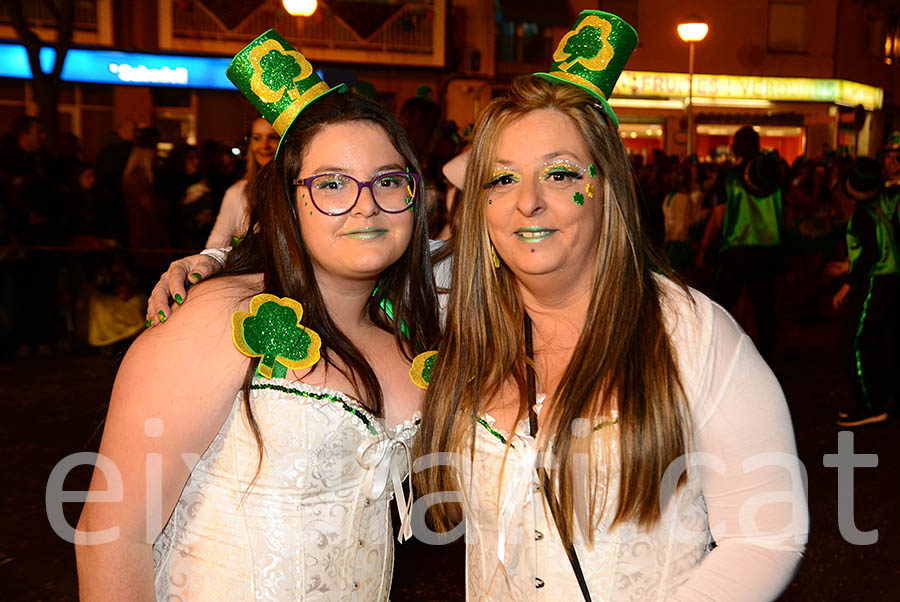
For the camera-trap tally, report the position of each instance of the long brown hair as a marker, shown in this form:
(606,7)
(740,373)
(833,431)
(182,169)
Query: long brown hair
(275,247)
(623,359)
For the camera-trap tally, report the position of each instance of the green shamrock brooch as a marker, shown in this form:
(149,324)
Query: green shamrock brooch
(271,330)
(423,368)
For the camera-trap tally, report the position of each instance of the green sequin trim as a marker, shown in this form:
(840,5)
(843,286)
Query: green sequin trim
(502,439)
(856,350)
(332,398)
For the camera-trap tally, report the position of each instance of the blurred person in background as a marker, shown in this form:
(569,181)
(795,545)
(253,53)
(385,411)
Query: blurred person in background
(188,191)
(679,213)
(148,210)
(231,223)
(36,214)
(422,118)
(111,163)
(812,238)
(747,223)
(872,294)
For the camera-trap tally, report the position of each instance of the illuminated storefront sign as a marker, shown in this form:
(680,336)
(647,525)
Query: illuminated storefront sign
(114,67)
(651,84)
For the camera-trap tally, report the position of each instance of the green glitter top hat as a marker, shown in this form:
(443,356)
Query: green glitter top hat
(593,54)
(277,79)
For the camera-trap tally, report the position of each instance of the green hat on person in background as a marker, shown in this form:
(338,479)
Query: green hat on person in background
(864,180)
(593,54)
(277,79)
(893,143)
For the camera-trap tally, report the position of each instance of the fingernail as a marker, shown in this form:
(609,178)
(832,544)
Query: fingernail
(178,299)
(162,316)
(196,277)
(148,323)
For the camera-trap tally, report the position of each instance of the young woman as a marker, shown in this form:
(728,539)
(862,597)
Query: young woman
(569,373)
(243,478)
(234,214)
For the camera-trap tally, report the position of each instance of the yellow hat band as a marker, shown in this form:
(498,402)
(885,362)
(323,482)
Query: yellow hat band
(579,81)
(287,116)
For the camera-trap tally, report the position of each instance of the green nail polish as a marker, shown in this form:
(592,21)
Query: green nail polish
(196,276)
(162,316)
(147,324)
(178,299)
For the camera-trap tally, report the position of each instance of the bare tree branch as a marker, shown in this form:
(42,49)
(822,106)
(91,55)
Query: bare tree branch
(29,39)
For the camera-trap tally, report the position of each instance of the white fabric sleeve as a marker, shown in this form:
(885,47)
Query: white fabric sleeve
(753,483)
(232,219)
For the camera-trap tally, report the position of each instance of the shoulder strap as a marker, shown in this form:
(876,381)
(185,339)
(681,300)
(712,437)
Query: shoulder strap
(552,502)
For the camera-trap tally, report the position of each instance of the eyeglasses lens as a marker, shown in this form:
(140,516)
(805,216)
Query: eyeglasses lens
(336,193)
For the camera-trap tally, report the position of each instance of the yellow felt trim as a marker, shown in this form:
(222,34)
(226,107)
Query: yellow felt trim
(237,333)
(287,116)
(578,81)
(418,366)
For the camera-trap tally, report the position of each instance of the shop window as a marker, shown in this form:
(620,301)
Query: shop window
(170,97)
(787,27)
(523,43)
(525,30)
(99,95)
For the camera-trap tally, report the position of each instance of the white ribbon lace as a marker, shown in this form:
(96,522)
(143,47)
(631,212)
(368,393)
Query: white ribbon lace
(378,458)
(519,494)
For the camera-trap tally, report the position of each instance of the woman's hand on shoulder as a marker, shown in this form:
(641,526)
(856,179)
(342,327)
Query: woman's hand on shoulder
(171,290)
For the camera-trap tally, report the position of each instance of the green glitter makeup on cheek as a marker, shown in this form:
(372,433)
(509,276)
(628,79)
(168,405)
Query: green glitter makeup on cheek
(578,198)
(592,170)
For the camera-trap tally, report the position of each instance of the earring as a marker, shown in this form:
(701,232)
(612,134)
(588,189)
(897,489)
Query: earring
(495,257)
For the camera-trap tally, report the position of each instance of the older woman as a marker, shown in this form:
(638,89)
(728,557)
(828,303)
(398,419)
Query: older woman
(571,373)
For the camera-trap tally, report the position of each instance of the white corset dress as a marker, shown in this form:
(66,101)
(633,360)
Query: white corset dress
(315,525)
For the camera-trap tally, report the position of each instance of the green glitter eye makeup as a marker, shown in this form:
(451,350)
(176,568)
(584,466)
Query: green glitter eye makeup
(503,175)
(561,169)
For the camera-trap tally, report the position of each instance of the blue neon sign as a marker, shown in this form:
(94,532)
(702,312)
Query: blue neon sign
(116,67)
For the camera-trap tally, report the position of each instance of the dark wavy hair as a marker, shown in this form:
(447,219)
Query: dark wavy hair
(274,246)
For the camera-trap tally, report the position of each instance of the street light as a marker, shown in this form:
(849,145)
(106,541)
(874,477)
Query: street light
(693,30)
(300,8)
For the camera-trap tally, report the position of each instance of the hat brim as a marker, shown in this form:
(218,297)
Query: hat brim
(760,189)
(603,102)
(342,88)
(861,195)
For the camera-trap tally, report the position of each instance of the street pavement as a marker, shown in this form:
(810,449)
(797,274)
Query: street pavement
(54,406)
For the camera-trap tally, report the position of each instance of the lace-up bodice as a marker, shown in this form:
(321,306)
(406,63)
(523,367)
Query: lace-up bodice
(316,523)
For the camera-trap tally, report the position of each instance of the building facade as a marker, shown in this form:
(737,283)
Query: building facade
(806,73)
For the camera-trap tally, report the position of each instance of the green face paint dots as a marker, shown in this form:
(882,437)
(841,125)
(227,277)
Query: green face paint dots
(578,198)
(592,169)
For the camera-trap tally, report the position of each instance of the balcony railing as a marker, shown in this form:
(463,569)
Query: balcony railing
(369,32)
